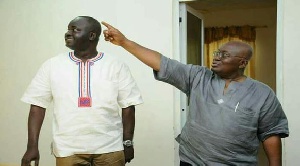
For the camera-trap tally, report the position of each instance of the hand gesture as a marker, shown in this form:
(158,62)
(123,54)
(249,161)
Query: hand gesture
(129,153)
(31,155)
(113,35)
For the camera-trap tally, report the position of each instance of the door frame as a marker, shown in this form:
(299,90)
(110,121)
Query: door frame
(177,50)
(279,64)
(183,10)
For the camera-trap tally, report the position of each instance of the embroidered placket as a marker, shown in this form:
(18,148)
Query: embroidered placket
(85,99)
(84,79)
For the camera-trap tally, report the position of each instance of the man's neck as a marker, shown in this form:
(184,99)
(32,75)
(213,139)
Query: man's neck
(86,54)
(241,78)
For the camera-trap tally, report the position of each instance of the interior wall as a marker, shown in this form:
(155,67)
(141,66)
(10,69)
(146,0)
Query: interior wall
(32,31)
(288,48)
(265,63)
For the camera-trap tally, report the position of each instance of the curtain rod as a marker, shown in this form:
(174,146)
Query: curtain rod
(262,26)
(259,26)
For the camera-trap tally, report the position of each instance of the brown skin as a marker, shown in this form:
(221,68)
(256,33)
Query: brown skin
(147,56)
(233,66)
(35,121)
(272,147)
(128,119)
(230,69)
(82,38)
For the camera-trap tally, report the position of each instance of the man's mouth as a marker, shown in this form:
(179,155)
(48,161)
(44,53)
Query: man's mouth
(68,39)
(214,64)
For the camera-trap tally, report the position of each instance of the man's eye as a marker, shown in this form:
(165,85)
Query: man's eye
(76,30)
(226,54)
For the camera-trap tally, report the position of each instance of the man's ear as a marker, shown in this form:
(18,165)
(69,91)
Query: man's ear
(92,36)
(244,63)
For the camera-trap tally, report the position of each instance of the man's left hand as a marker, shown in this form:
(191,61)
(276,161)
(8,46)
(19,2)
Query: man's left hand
(129,153)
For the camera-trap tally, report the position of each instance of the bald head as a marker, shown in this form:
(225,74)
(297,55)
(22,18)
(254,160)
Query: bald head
(241,48)
(95,26)
(234,59)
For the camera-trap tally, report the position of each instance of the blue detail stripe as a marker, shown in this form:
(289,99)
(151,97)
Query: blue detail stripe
(79,84)
(89,79)
(73,58)
(100,56)
(89,62)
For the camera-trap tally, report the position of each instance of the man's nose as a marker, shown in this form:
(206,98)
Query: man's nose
(218,58)
(68,34)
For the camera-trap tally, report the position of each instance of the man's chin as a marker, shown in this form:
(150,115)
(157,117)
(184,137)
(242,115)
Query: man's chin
(69,46)
(213,69)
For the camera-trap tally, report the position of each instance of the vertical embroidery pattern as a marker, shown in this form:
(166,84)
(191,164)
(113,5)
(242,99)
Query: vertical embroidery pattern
(84,79)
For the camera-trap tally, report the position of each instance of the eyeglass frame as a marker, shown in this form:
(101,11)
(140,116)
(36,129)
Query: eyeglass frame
(224,54)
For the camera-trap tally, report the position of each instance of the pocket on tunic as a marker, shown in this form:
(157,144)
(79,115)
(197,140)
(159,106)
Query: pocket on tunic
(105,92)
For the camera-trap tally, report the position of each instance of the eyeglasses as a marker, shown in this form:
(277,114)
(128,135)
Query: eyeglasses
(223,54)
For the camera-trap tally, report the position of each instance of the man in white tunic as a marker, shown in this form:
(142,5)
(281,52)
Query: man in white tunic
(88,89)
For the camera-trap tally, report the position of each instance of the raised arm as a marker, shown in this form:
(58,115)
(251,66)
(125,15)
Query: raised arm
(147,56)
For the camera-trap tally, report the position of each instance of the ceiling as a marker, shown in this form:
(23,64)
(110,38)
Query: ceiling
(217,5)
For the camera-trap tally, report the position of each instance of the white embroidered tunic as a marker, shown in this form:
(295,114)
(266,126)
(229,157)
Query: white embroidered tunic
(87,98)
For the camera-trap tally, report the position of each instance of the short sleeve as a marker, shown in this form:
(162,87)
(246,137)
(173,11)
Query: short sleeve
(272,120)
(129,93)
(178,74)
(39,90)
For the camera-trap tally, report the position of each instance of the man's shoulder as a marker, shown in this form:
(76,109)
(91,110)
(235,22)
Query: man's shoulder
(59,59)
(260,86)
(259,83)
(111,59)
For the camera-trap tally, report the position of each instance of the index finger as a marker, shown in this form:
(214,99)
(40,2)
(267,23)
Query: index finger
(107,25)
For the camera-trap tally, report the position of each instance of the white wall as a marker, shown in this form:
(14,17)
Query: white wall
(290,77)
(32,31)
